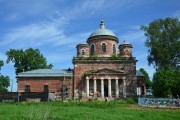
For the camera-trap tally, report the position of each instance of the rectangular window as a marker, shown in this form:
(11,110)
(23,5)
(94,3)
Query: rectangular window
(27,88)
(46,89)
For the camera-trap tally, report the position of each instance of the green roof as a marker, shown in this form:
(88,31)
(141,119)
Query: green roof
(102,31)
(46,73)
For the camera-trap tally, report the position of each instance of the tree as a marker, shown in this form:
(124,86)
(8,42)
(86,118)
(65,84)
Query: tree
(4,80)
(166,83)
(30,59)
(1,64)
(147,80)
(4,83)
(163,42)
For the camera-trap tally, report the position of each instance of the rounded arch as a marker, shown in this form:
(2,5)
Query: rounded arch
(104,43)
(103,47)
(83,52)
(92,49)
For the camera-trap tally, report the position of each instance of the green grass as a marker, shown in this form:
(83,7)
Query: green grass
(118,110)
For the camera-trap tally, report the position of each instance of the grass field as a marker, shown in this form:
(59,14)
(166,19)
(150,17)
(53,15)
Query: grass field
(117,110)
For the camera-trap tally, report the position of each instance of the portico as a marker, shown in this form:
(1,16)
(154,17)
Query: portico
(109,85)
(103,90)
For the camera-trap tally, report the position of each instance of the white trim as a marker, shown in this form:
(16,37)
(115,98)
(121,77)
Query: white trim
(113,44)
(103,42)
(113,48)
(126,49)
(92,44)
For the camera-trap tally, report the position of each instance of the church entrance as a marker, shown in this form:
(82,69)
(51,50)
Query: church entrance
(105,91)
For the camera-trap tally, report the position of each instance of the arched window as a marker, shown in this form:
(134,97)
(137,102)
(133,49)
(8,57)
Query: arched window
(114,49)
(83,52)
(92,49)
(103,47)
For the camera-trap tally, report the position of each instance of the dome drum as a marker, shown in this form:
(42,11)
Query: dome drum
(125,49)
(82,50)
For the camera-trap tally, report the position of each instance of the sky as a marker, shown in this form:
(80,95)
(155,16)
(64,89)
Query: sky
(55,27)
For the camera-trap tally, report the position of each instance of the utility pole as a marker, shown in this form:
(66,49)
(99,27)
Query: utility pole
(11,84)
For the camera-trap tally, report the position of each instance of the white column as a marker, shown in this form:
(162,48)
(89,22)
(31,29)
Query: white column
(124,86)
(117,87)
(95,88)
(87,87)
(109,87)
(102,87)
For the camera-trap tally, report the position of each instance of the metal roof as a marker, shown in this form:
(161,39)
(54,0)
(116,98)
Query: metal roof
(102,31)
(46,73)
(138,73)
(125,43)
(54,73)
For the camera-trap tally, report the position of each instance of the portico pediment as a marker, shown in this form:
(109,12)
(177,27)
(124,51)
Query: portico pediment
(104,71)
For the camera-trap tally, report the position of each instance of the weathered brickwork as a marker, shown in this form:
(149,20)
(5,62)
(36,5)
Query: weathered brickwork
(82,66)
(98,47)
(54,84)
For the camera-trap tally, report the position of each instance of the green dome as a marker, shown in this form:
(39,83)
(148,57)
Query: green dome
(102,31)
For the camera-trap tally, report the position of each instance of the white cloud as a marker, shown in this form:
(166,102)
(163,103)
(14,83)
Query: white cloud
(99,7)
(31,7)
(133,35)
(34,35)
(176,14)
(50,32)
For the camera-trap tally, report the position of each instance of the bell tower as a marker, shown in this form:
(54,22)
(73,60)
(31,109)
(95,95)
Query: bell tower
(125,49)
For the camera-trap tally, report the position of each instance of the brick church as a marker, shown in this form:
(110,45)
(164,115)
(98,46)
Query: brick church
(102,68)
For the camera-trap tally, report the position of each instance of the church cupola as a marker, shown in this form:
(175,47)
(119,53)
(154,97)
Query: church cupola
(102,42)
(125,49)
(82,50)
(102,31)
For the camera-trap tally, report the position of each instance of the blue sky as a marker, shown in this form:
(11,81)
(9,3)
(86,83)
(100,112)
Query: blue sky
(57,26)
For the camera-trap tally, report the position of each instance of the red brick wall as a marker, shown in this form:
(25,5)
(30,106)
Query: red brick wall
(37,84)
